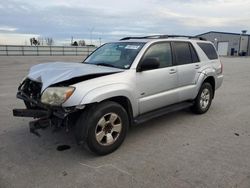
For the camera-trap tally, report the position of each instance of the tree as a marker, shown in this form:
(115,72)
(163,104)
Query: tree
(34,41)
(40,39)
(82,43)
(49,41)
(74,44)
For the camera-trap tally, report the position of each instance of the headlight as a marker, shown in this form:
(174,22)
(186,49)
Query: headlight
(56,95)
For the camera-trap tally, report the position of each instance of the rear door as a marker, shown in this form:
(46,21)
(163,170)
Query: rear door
(188,66)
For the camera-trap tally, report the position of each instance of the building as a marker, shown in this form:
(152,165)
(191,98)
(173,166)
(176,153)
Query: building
(229,44)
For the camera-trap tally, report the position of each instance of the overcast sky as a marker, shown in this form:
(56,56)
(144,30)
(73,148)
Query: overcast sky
(113,19)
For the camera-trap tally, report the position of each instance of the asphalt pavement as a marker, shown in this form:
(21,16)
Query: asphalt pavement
(178,150)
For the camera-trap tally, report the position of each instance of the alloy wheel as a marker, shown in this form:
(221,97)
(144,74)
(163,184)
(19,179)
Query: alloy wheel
(108,129)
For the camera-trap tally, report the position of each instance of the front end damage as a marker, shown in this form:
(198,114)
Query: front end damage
(44,115)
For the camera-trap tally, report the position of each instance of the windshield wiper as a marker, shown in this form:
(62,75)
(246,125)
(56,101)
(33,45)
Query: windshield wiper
(106,64)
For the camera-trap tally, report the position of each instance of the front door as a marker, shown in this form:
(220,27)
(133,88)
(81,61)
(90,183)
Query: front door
(157,88)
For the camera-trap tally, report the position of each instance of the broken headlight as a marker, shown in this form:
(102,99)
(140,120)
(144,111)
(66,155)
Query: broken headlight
(56,95)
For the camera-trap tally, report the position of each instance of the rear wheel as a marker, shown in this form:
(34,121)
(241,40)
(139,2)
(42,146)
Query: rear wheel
(108,124)
(204,99)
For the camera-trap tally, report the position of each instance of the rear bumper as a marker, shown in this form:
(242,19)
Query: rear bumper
(219,80)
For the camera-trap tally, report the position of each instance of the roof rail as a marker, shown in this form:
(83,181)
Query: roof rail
(164,37)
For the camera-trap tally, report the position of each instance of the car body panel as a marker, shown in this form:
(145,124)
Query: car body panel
(52,73)
(187,78)
(97,89)
(155,88)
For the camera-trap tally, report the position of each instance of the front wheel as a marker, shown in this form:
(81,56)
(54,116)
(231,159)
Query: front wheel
(108,124)
(204,99)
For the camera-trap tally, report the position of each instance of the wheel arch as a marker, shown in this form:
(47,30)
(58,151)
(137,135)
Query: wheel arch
(120,93)
(82,131)
(208,77)
(125,103)
(211,80)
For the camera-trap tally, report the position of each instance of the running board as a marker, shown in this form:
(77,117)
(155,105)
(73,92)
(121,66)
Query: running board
(160,112)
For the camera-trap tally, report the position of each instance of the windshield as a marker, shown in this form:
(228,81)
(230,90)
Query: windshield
(119,55)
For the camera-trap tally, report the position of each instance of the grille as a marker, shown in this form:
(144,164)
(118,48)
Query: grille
(32,89)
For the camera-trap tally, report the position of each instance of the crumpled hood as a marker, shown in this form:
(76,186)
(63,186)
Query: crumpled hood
(52,73)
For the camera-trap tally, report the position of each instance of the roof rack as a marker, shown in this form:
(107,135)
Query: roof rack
(164,37)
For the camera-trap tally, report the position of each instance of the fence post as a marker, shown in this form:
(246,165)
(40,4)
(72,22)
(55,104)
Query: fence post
(6,50)
(63,50)
(37,51)
(50,50)
(23,50)
(76,50)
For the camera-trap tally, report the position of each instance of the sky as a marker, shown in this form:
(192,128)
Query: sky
(106,20)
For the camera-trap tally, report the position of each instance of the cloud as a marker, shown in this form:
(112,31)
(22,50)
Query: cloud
(112,19)
(194,21)
(7,29)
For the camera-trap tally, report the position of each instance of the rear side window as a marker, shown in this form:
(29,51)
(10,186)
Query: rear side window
(194,54)
(182,53)
(209,50)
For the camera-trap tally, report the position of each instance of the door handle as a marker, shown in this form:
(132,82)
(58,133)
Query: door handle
(172,71)
(197,66)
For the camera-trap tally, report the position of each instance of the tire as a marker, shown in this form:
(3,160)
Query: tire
(203,100)
(107,127)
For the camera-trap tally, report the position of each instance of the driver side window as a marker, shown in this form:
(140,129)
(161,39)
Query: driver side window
(161,51)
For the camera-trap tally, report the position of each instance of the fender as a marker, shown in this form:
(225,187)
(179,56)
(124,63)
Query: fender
(208,72)
(112,90)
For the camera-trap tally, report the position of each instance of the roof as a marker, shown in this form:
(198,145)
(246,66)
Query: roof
(219,32)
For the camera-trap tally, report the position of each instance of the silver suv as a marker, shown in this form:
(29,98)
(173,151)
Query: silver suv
(120,84)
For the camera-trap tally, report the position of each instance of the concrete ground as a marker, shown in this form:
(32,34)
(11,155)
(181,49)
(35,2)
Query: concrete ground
(179,150)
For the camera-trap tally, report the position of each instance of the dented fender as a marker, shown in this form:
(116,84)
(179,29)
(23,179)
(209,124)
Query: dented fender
(202,77)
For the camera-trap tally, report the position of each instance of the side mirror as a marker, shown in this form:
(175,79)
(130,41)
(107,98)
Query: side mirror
(148,64)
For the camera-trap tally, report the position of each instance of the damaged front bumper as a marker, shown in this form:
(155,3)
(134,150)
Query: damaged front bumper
(31,113)
(45,116)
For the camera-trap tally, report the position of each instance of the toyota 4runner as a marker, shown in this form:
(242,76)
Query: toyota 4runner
(120,84)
